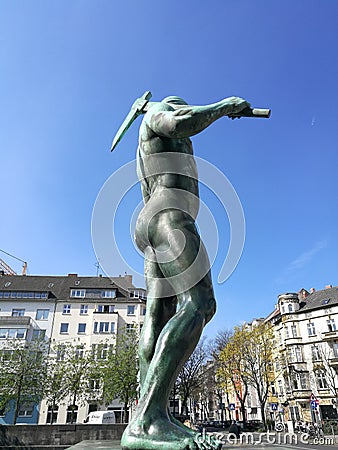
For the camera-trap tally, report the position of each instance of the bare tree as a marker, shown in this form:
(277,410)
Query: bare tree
(193,375)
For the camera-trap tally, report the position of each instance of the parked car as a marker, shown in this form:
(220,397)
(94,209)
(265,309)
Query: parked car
(101,417)
(213,425)
(255,425)
(250,425)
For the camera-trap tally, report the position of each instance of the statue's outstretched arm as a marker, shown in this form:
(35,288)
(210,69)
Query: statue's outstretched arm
(190,120)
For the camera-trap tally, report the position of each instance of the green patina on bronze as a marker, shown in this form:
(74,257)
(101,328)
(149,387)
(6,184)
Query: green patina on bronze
(176,310)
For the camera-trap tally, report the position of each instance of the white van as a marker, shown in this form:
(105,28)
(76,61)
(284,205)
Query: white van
(101,417)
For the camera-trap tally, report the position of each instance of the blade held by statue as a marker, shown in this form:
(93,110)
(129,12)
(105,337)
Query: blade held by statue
(137,109)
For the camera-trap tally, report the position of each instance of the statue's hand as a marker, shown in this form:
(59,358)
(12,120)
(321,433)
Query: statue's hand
(237,103)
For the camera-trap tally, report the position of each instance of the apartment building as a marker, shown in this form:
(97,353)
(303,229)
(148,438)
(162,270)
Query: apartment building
(85,310)
(306,363)
(304,377)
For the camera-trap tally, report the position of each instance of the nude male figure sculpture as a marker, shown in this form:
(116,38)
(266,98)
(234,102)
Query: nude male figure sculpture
(178,307)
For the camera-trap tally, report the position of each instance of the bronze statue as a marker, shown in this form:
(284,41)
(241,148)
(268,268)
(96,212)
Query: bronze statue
(180,297)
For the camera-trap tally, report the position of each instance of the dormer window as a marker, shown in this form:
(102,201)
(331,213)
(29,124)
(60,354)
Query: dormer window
(79,293)
(290,308)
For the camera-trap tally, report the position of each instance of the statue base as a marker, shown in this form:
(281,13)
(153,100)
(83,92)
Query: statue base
(96,445)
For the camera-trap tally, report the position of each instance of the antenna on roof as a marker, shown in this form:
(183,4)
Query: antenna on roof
(98,267)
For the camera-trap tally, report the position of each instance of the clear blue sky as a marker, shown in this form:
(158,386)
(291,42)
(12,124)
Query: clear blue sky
(69,73)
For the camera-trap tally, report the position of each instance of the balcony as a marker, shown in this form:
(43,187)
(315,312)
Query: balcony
(301,393)
(18,320)
(329,335)
(297,366)
(293,340)
(334,361)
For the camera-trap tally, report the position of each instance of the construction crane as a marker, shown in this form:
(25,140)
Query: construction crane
(7,269)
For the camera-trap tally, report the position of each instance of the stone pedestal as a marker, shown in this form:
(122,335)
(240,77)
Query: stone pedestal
(97,445)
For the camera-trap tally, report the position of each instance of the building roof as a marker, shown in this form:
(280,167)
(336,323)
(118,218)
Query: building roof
(320,299)
(314,300)
(60,286)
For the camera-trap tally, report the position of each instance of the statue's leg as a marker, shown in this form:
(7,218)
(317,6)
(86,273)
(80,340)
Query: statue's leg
(150,427)
(159,310)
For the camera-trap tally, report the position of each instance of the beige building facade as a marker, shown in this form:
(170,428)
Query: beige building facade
(87,311)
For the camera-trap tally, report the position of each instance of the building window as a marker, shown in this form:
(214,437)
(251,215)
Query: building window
(273,389)
(277,364)
(331,325)
(104,327)
(294,330)
(81,328)
(286,332)
(311,329)
(83,309)
(298,354)
(101,351)
(131,310)
(60,352)
(14,294)
(52,414)
(280,387)
(315,353)
(40,295)
(66,309)
(72,414)
(108,294)
(94,385)
(13,333)
(79,352)
(300,381)
(144,310)
(64,327)
(79,293)
(335,349)
(105,308)
(294,413)
(42,314)
(39,334)
(290,308)
(321,380)
(18,312)
(26,410)
(3,333)
(130,327)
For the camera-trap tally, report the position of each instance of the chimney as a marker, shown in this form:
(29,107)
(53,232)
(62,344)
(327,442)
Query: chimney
(304,293)
(72,275)
(128,278)
(328,286)
(312,290)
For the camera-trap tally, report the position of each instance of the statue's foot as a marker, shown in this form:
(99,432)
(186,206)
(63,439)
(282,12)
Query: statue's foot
(203,441)
(156,434)
(181,425)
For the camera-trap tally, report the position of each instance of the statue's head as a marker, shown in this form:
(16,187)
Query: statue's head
(174,100)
